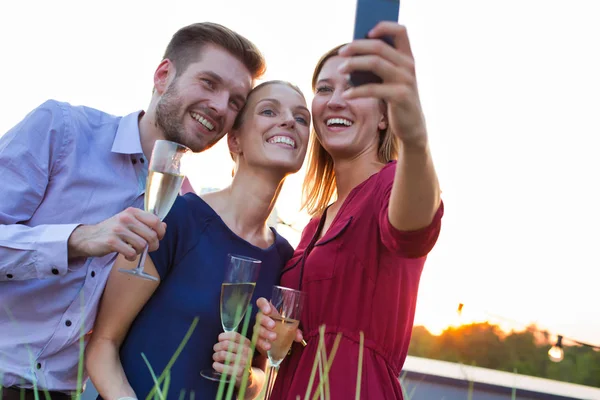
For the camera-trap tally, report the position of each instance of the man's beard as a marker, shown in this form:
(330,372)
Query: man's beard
(167,115)
(167,119)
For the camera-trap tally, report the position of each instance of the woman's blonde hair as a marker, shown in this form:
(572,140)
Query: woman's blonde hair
(319,184)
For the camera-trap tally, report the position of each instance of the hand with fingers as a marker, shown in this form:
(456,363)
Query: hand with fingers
(395,65)
(265,325)
(226,351)
(126,233)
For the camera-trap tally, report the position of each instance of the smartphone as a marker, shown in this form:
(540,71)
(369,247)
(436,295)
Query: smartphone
(368,14)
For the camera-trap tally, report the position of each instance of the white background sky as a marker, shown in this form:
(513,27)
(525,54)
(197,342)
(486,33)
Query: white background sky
(511,92)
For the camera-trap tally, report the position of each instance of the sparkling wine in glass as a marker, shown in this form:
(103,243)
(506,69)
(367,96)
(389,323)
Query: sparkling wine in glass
(235,298)
(236,292)
(162,187)
(287,306)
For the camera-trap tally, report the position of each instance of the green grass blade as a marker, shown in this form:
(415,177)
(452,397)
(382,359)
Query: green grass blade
(166,385)
(360,364)
(334,349)
(325,392)
(238,358)
(154,379)
(175,355)
(320,369)
(311,380)
(223,380)
(470,393)
(31,359)
(245,377)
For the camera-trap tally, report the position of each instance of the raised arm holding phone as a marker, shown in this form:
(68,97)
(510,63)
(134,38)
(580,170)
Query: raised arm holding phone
(360,258)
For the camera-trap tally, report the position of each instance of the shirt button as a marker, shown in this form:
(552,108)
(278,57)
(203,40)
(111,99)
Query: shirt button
(68,323)
(142,160)
(93,274)
(134,161)
(39,366)
(54,271)
(9,276)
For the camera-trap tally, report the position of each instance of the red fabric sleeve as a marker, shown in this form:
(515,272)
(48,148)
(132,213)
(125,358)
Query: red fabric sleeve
(409,244)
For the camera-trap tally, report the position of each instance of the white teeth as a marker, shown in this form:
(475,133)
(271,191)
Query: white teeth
(203,121)
(338,121)
(282,139)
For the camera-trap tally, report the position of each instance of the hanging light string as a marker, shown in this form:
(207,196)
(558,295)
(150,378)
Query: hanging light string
(554,353)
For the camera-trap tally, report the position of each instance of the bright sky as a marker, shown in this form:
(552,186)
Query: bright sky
(511,92)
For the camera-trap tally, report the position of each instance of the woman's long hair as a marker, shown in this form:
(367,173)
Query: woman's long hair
(319,184)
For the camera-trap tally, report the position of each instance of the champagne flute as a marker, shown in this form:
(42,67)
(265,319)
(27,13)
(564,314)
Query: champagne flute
(162,187)
(236,292)
(287,306)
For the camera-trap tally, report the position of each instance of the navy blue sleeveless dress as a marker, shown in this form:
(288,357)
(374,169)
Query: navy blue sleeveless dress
(191,262)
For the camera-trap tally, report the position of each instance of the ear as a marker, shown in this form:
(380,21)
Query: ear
(383,121)
(164,75)
(233,142)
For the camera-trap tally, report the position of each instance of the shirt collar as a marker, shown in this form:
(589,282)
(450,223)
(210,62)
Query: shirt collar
(127,139)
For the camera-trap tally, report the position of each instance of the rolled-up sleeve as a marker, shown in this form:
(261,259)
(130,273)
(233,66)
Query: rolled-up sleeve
(409,244)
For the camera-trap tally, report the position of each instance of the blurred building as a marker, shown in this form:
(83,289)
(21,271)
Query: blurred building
(425,379)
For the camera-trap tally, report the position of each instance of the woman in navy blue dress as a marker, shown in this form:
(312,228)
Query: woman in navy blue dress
(136,316)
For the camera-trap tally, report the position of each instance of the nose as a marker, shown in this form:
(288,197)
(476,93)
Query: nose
(336,101)
(219,103)
(288,120)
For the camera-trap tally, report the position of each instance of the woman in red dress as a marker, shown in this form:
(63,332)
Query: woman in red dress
(360,258)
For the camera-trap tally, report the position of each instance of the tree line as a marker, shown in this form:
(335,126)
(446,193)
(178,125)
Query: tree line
(486,345)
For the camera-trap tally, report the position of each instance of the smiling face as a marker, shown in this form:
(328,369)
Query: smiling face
(345,128)
(273,130)
(199,105)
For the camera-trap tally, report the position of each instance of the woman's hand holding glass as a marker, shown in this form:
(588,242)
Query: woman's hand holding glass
(284,311)
(226,351)
(236,291)
(266,326)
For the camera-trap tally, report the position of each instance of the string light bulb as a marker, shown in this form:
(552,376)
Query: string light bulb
(556,352)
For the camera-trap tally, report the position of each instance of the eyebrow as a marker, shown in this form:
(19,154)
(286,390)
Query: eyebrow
(219,79)
(216,77)
(330,81)
(324,80)
(278,103)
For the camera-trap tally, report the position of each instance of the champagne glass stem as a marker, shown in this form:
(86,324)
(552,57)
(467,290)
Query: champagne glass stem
(270,380)
(139,270)
(140,266)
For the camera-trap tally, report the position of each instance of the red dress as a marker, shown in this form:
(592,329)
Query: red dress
(362,275)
